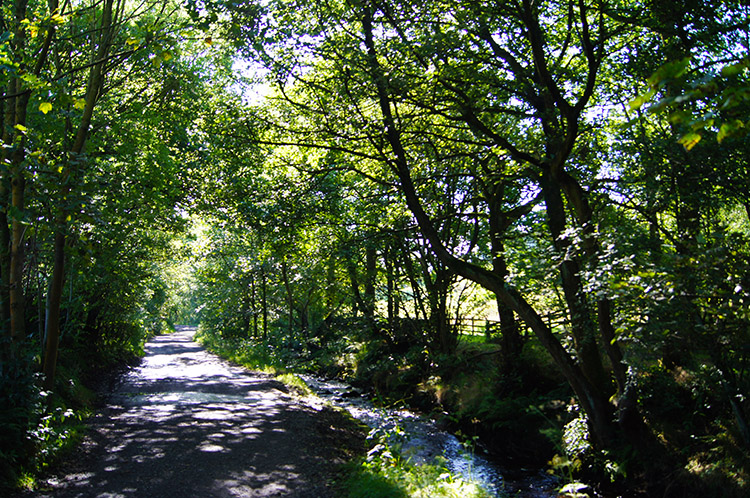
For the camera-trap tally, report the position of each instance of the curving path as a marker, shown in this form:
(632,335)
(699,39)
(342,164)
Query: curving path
(187,423)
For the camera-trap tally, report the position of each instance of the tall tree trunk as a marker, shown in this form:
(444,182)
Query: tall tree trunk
(578,199)
(17,233)
(264,302)
(245,314)
(582,326)
(330,289)
(446,338)
(7,119)
(254,305)
(357,301)
(411,275)
(18,108)
(289,295)
(389,287)
(54,295)
(371,261)
(510,332)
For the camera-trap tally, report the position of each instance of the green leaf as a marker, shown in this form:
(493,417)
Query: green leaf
(702,125)
(690,140)
(669,71)
(734,69)
(58,19)
(45,107)
(638,102)
(680,116)
(729,129)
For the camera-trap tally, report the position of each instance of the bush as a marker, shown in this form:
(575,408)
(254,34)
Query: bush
(20,398)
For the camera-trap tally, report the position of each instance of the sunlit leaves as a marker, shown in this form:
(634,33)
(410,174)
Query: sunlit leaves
(690,140)
(640,100)
(702,102)
(730,129)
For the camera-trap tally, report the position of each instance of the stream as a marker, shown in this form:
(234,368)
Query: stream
(421,440)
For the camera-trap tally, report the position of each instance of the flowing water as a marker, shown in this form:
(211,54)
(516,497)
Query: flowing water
(422,441)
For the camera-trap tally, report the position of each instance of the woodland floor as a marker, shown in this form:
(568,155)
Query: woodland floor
(186,423)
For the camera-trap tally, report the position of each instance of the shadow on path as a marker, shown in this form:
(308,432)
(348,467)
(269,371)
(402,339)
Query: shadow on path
(186,423)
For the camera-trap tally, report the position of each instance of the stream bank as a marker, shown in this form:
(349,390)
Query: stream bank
(422,440)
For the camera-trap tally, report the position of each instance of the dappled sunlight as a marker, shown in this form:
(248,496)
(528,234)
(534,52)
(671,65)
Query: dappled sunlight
(185,423)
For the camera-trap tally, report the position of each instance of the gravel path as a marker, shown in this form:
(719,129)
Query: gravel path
(187,423)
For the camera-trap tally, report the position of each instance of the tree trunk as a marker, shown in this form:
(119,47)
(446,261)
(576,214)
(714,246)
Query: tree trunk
(264,302)
(371,260)
(18,231)
(446,339)
(582,327)
(578,199)
(54,296)
(358,303)
(17,186)
(390,288)
(512,344)
(289,295)
(6,119)
(245,314)
(254,305)
(411,275)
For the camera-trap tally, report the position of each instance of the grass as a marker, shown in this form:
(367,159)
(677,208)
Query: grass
(293,381)
(253,356)
(385,474)
(244,352)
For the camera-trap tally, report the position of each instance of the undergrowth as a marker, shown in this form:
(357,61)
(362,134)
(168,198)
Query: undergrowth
(38,426)
(527,417)
(253,355)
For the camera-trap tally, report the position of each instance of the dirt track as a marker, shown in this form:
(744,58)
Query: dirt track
(187,424)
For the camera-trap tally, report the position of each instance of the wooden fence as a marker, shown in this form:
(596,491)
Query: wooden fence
(489,328)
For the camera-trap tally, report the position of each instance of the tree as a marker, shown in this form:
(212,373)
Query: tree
(407,86)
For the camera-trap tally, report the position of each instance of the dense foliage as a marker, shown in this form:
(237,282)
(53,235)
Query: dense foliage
(99,168)
(530,215)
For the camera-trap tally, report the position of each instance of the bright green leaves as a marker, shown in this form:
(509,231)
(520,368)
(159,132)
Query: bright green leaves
(699,102)
(45,107)
(690,140)
(161,57)
(42,25)
(640,100)
(669,72)
(730,129)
